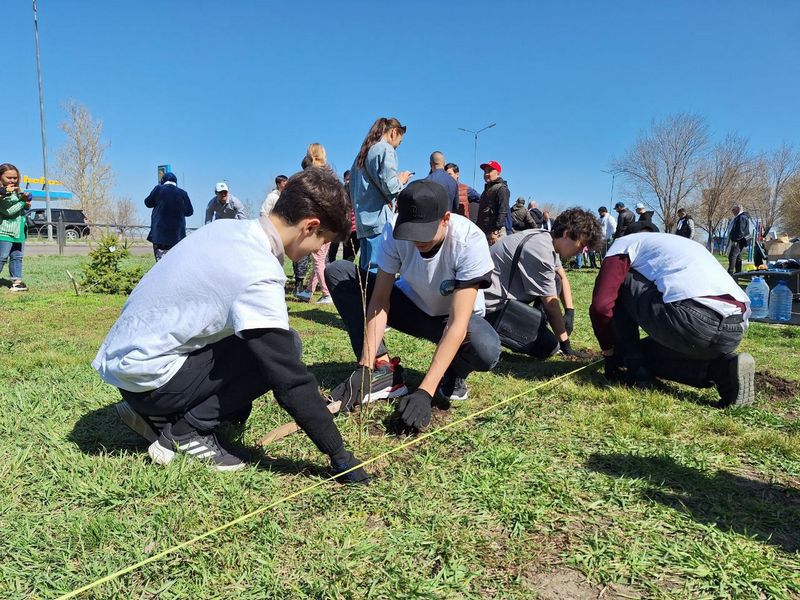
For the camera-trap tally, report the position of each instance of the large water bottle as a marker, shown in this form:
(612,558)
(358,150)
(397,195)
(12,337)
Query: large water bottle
(758,292)
(780,302)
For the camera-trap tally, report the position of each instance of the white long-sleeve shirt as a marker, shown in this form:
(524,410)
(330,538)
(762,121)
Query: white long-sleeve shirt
(269,202)
(609,225)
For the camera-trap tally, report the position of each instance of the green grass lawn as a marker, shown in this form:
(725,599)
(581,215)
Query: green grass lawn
(579,489)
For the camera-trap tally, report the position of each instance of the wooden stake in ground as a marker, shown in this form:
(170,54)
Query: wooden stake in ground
(289,428)
(74,283)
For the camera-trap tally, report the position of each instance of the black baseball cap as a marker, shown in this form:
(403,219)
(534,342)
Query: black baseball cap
(420,208)
(619,205)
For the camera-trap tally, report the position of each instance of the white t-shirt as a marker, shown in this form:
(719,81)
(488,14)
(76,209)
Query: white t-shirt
(223,279)
(681,269)
(269,202)
(430,282)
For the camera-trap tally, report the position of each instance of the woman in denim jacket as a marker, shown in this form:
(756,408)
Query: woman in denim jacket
(375,183)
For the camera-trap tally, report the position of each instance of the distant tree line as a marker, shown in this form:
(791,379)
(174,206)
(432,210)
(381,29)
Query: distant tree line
(674,164)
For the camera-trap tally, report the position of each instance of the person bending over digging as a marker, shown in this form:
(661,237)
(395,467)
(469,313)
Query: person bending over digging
(202,336)
(693,312)
(443,263)
(539,278)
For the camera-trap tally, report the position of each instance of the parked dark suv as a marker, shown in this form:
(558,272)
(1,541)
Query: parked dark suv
(74,222)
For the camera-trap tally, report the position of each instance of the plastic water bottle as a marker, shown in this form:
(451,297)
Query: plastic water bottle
(780,302)
(758,292)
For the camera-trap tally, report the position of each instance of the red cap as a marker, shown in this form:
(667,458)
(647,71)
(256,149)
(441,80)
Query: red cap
(492,164)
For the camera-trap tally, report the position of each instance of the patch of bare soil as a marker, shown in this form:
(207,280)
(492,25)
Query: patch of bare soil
(569,584)
(776,388)
(589,355)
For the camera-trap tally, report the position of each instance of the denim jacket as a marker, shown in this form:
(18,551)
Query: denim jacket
(371,204)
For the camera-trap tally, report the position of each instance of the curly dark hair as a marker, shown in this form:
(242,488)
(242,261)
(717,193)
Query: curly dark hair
(580,225)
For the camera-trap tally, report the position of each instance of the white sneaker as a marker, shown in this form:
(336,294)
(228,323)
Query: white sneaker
(304,296)
(325,300)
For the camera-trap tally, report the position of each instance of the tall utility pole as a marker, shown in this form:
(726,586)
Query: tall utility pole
(613,176)
(475,157)
(41,118)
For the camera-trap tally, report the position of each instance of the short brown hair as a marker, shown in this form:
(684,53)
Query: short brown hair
(316,193)
(581,224)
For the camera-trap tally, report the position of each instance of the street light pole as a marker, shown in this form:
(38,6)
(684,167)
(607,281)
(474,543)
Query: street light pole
(475,151)
(613,176)
(41,119)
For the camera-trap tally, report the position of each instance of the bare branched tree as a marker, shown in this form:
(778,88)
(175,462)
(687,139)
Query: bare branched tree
(81,161)
(775,172)
(122,215)
(790,215)
(725,177)
(252,207)
(661,164)
(550,207)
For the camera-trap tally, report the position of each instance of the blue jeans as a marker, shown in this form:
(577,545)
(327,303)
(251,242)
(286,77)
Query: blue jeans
(368,249)
(14,252)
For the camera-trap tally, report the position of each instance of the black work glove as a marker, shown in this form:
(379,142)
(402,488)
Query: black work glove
(569,320)
(567,350)
(353,389)
(343,460)
(415,409)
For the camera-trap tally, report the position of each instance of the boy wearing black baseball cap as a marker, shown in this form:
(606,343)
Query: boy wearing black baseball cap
(443,263)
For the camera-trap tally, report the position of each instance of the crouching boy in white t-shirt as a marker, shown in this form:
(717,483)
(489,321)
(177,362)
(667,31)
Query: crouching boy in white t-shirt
(443,264)
(206,331)
(694,313)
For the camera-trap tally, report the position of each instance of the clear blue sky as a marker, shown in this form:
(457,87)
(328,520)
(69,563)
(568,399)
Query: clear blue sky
(236,90)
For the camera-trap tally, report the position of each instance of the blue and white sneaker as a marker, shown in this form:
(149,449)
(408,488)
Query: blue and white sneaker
(146,426)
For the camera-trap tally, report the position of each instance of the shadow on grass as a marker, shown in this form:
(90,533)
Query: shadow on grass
(686,393)
(321,317)
(746,506)
(526,367)
(331,374)
(287,466)
(101,432)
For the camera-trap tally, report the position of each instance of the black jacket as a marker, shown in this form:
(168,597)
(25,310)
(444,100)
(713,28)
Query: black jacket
(493,207)
(521,219)
(624,218)
(171,206)
(740,228)
(686,226)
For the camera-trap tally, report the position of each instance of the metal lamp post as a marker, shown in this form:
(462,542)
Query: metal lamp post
(475,157)
(613,176)
(41,118)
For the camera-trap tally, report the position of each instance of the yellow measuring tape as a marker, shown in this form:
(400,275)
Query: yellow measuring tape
(258,511)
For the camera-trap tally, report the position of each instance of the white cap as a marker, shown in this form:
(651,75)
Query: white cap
(639,205)
(221,187)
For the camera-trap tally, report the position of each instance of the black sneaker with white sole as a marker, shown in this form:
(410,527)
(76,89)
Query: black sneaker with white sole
(200,446)
(146,426)
(734,376)
(387,381)
(452,388)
